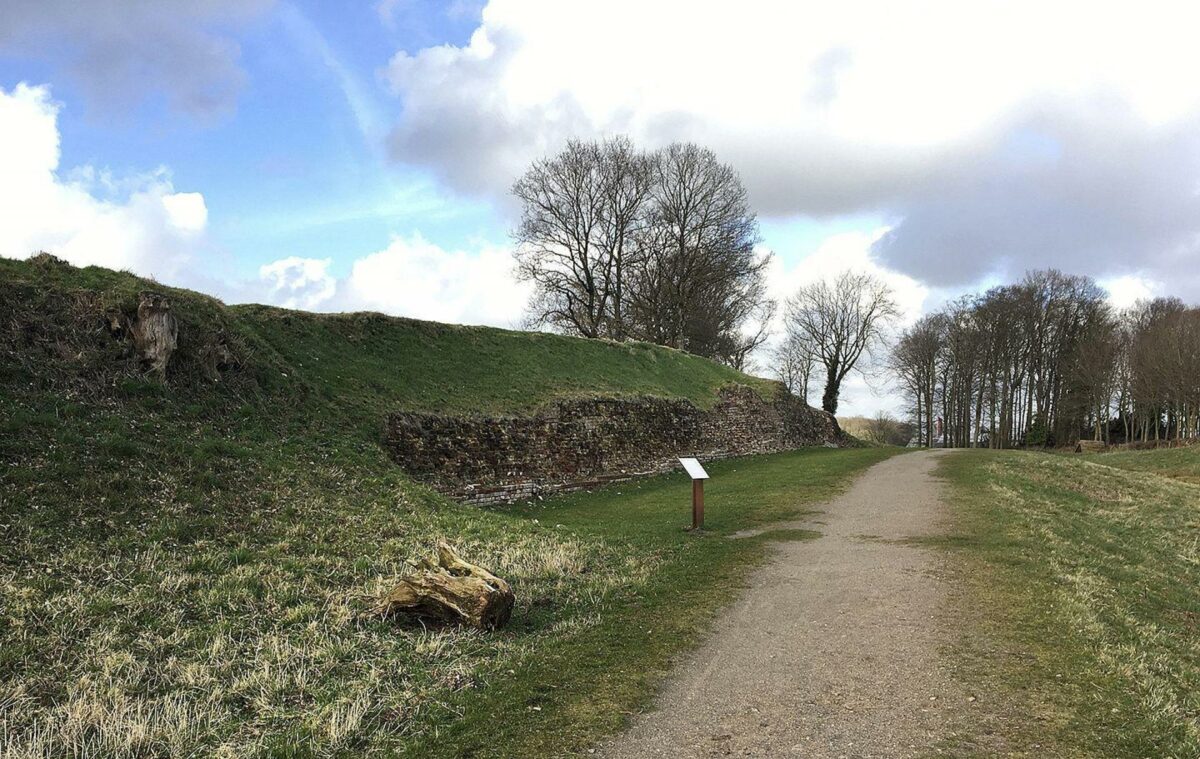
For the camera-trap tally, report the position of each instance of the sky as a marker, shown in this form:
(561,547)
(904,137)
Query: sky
(358,155)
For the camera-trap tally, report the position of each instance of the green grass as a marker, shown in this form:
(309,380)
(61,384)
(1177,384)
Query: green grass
(235,625)
(1179,463)
(354,364)
(568,696)
(184,570)
(1082,604)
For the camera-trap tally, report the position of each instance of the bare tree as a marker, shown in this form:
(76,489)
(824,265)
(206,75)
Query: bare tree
(581,213)
(701,281)
(885,429)
(915,360)
(628,178)
(881,429)
(1092,375)
(792,361)
(557,245)
(659,247)
(1165,370)
(842,320)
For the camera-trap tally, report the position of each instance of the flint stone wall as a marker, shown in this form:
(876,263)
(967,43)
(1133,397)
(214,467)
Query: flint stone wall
(582,443)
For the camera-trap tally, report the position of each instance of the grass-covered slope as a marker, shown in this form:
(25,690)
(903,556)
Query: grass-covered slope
(355,363)
(1179,463)
(184,570)
(1082,616)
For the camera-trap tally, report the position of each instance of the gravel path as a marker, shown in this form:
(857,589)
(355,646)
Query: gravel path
(833,651)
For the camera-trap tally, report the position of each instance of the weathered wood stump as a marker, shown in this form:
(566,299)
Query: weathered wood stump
(155,332)
(216,356)
(452,590)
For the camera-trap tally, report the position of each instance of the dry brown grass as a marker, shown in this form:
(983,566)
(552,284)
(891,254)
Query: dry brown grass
(180,653)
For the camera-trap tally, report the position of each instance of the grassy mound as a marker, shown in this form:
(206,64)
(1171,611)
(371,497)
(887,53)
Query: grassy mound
(348,365)
(183,570)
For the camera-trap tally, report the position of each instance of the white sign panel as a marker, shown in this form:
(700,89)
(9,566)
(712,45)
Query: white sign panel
(694,470)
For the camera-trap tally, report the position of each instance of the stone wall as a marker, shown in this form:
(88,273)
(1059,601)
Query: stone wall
(581,443)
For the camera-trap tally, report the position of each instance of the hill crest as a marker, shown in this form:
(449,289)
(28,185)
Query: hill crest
(70,326)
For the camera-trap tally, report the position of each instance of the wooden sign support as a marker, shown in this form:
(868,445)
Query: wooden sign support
(698,475)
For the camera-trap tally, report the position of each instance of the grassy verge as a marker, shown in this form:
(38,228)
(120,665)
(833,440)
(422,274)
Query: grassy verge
(1082,606)
(561,700)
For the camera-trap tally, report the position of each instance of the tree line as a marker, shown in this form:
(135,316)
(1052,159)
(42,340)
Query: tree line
(1048,361)
(659,246)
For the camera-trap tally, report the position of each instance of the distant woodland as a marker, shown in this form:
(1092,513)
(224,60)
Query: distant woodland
(1048,361)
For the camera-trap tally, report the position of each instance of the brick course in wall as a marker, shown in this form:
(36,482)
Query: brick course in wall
(585,442)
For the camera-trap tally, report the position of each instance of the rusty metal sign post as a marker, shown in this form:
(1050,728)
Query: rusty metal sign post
(698,475)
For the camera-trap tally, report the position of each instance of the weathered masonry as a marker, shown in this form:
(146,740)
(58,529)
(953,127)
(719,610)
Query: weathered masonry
(581,443)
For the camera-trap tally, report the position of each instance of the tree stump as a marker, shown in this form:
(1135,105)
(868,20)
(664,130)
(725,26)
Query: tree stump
(216,356)
(155,332)
(452,590)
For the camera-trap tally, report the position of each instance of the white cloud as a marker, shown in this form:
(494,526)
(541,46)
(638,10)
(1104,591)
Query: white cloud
(413,277)
(410,277)
(296,282)
(997,136)
(793,85)
(1128,289)
(138,223)
(142,224)
(187,211)
(849,251)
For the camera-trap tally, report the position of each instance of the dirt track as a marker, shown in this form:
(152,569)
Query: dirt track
(833,651)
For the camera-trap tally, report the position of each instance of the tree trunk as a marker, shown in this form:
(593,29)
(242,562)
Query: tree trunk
(452,590)
(829,401)
(920,422)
